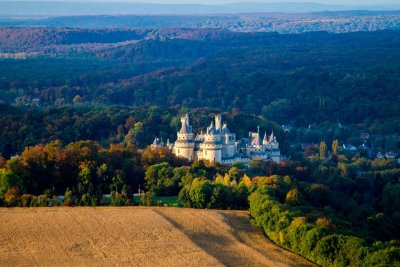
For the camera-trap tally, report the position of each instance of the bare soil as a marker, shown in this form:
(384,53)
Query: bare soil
(135,236)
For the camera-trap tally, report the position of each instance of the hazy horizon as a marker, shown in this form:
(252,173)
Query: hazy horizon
(26,8)
(217,2)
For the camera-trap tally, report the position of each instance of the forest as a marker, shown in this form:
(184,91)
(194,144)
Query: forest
(282,22)
(79,108)
(331,209)
(326,86)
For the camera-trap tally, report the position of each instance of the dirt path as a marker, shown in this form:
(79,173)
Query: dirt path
(135,236)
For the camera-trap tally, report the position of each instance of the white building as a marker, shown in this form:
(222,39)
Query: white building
(218,144)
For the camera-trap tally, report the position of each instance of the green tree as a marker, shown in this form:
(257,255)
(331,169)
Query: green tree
(322,150)
(200,193)
(294,197)
(9,180)
(278,110)
(118,181)
(335,146)
(391,198)
(135,135)
(163,180)
(12,196)
(68,198)
(85,184)
(235,173)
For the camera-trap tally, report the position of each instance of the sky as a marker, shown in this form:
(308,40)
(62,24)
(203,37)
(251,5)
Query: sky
(339,2)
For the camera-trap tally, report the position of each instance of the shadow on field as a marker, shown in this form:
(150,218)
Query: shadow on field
(213,244)
(231,240)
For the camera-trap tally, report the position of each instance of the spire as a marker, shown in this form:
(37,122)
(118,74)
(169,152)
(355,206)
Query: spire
(187,119)
(265,136)
(211,129)
(185,128)
(218,122)
(255,138)
(225,129)
(272,136)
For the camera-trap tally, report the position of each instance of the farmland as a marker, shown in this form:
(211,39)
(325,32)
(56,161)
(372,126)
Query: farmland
(134,235)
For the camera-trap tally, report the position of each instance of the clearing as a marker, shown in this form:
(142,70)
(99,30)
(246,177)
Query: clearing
(139,236)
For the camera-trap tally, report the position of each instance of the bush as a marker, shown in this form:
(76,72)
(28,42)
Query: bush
(147,199)
(26,200)
(43,201)
(11,198)
(328,248)
(68,199)
(119,199)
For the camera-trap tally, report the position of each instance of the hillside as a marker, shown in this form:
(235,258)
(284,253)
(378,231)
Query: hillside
(317,82)
(140,236)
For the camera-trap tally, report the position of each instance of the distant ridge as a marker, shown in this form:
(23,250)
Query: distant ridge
(50,9)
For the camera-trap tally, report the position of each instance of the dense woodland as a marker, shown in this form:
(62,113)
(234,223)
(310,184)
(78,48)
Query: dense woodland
(326,86)
(332,209)
(78,109)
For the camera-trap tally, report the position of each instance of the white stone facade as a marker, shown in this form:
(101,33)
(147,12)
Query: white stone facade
(218,144)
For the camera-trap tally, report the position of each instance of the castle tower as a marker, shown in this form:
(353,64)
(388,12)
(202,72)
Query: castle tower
(255,138)
(274,151)
(184,145)
(211,147)
(218,123)
(228,142)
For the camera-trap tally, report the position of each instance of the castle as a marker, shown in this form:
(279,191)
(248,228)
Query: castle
(218,144)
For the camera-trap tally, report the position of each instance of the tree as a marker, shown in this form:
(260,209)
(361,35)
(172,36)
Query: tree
(200,193)
(9,180)
(335,146)
(152,156)
(11,197)
(294,197)
(163,180)
(68,198)
(391,198)
(77,99)
(2,161)
(135,135)
(328,248)
(26,200)
(322,150)
(278,110)
(257,167)
(85,176)
(19,167)
(318,194)
(235,173)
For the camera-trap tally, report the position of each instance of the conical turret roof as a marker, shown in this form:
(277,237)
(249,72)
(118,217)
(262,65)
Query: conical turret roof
(211,129)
